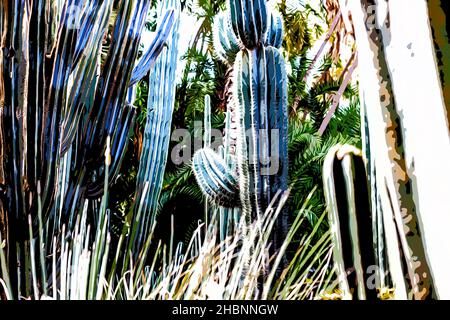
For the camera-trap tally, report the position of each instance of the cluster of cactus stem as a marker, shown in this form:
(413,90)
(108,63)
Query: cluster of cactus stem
(255,164)
(68,73)
(60,106)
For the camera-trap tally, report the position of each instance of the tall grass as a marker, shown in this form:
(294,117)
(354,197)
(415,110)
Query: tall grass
(238,267)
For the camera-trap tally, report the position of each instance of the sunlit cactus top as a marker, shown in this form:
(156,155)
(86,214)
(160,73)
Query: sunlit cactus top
(248,20)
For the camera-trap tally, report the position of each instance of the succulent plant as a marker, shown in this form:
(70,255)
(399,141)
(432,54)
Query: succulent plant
(67,68)
(225,42)
(217,180)
(160,106)
(348,202)
(257,119)
(274,35)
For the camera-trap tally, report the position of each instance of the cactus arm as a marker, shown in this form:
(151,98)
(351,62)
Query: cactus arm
(278,41)
(62,68)
(252,126)
(113,82)
(215,179)
(227,139)
(90,28)
(348,205)
(225,42)
(278,114)
(235,17)
(347,170)
(333,215)
(263,132)
(162,33)
(119,144)
(207,122)
(274,35)
(82,94)
(259,11)
(241,145)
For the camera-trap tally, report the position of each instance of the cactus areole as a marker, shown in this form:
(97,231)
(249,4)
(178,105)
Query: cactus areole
(249,42)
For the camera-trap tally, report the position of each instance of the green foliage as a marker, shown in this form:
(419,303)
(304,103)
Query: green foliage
(299,31)
(141,102)
(307,151)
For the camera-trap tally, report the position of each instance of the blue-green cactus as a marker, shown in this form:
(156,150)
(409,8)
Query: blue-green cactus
(261,103)
(160,106)
(225,42)
(274,35)
(219,183)
(249,21)
(278,113)
(149,58)
(216,180)
(257,114)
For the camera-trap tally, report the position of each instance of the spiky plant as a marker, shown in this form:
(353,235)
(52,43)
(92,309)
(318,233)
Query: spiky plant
(65,84)
(347,196)
(156,139)
(256,117)
(203,269)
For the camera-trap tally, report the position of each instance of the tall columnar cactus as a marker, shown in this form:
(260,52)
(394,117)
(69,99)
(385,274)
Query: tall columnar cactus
(66,72)
(155,151)
(225,42)
(347,197)
(257,121)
